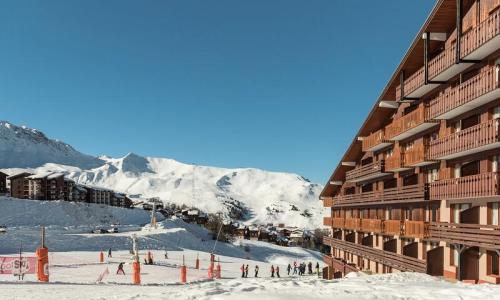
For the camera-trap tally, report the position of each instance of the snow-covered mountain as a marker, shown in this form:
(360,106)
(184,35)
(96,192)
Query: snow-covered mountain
(25,147)
(253,195)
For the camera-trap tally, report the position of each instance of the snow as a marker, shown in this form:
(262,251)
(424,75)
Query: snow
(74,265)
(258,196)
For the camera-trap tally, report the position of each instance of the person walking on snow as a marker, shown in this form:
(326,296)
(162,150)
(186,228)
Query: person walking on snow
(246,271)
(109,253)
(242,271)
(310,267)
(256,271)
(288,269)
(278,271)
(317,268)
(166,254)
(120,269)
(272,271)
(294,268)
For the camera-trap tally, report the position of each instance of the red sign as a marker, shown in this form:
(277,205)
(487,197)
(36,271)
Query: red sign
(17,265)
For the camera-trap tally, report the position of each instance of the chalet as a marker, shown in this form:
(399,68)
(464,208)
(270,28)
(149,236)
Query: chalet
(19,185)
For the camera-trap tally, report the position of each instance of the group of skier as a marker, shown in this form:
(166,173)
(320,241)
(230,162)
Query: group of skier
(298,269)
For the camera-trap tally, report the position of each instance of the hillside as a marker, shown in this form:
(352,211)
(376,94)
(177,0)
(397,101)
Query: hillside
(251,195)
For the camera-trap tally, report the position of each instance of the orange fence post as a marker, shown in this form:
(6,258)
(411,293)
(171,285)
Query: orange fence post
(211,271)
(101,257)
(136,276)
(183,271)
(42,255)
(218,274)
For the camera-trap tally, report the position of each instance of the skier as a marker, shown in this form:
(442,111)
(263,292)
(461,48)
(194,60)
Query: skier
(242,271)
(120,269)
(272,271)
(310,267)
(256,271)
(278,271)
(246,271)
(294,268)
(288,269)
(317,269)
(109,253)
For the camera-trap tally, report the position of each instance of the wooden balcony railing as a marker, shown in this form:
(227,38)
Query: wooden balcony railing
(327,201)
(401,194)
(352,223)
(327,221)
(392,227)
(374,140)
(371,225)
(396,261)
(484,82)
(418,154)
(407,122)
(394,162)
(415,229)
(474,137)
(369,170)
(481,185)
(339,265)
(475,235)
(338,222)
(442,61)
(481,34)
(412,83)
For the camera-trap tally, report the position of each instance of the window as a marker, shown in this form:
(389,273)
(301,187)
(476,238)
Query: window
(493,263)
(471,168)
(496,112)
(432,175)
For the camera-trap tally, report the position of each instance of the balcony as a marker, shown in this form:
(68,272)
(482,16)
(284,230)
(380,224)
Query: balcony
(474,235)
(352,223)
(414,229)
(410,124)
(482,40)
(477,91)
(474,186)
(371,225)
(367,172)
(392,227)
(375,141)
(414,86)
(396,261)
(395,162)
(444,66)
(327,221)
(418,155)
(472,140)
(410,193)
(338,222)
(327,201)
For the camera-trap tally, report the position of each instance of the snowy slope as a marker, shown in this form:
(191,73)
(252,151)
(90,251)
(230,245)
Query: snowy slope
(25,147)
(252,195)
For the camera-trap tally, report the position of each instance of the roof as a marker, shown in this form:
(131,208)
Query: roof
(441,19)
(21,174)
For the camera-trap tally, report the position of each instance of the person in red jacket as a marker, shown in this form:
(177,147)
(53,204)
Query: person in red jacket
(242,271)
(272,271)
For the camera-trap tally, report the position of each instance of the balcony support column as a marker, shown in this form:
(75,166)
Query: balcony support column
(461,249)
(458,54)
(402,98)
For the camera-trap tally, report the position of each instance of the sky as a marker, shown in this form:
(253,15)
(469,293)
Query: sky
(280,85)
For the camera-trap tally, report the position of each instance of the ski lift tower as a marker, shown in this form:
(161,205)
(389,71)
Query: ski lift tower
(153,213)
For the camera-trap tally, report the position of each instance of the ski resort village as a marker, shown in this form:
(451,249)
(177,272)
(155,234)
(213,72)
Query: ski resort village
(389,111)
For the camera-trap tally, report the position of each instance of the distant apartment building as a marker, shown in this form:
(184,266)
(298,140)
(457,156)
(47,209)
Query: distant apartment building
(19,185)
(3,183)
(99,195)
(50,186)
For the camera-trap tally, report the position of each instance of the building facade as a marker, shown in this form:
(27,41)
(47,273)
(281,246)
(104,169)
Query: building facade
(19,185)
(418,189)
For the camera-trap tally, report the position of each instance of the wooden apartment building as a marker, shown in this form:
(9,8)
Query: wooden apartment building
(418,189)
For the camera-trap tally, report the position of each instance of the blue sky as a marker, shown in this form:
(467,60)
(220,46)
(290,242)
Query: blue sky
(281,85)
